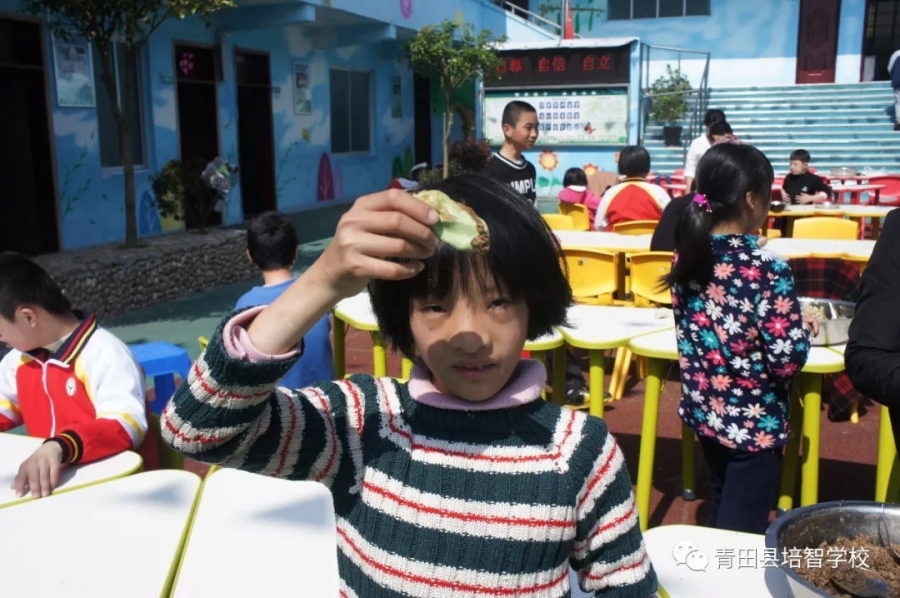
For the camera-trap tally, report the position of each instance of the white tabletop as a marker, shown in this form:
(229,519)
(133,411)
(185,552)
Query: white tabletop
(790,247)
(663,345)
(700,562)
(603,240)
(603,327)
(255,535)
(14,449)
(121,538)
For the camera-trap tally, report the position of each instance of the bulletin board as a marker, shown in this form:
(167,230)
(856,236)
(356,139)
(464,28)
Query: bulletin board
(592,117)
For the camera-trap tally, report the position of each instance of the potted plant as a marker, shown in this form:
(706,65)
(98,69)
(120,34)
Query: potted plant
(669,103)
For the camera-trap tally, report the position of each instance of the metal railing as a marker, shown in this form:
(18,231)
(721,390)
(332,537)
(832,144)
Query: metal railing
(699,94)
(553,27)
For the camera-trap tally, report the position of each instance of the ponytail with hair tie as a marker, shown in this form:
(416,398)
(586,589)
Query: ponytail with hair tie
(727,172)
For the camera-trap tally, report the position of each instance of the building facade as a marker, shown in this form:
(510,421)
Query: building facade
(308,98)
(751,42)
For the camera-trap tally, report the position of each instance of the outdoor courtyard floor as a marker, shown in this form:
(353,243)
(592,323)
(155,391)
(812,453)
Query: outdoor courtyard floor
(847,454)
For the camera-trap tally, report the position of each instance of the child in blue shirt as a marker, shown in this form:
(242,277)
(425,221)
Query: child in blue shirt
(741,335)
(272,247)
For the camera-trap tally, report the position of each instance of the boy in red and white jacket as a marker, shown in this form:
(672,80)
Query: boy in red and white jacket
(66,379)
(633,198)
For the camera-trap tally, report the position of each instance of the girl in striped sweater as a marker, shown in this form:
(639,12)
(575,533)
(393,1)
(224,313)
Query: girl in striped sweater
(461,482)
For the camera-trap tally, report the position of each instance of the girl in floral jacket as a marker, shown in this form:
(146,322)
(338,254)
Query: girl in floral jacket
(741,336)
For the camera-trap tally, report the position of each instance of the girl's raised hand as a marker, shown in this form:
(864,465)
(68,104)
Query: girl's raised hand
(377,230)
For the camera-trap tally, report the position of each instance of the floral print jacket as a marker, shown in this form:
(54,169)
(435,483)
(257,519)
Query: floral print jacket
(741,339)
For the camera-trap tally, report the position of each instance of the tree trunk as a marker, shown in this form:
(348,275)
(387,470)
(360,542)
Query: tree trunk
(131,229)
(448,127)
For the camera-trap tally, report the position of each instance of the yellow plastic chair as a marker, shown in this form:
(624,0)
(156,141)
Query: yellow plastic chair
(592,275)
(826,227)
(578,213)
(559,222)
(646,269)
(636,227)
(204,342)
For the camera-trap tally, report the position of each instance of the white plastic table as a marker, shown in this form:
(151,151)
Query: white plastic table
(661,347)
(736,564)
(121,538)
(603,240)
(14,449)
(796,248)
(255,535)
(357,312)
(598,328)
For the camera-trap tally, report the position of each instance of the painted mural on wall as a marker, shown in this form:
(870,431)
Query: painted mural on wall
(551,166)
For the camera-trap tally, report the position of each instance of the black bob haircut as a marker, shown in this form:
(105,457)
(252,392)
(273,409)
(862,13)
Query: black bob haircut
(23,283)
(525,260)
(513,112)
(272,241)
(634,161)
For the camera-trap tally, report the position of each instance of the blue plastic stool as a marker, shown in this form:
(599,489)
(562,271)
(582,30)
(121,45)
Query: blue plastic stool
(162,361)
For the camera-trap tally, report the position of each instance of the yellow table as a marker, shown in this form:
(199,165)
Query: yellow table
(357,312)
(621,245)
(661,347)
(14,449)
(245,524)
(599,328)
(121,538)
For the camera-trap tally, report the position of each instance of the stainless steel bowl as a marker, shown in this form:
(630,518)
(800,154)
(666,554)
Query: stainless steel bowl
(834,327)
(777,207)
(809,527)
(844,171)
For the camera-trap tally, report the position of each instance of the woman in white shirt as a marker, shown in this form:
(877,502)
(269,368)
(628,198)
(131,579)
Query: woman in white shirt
(700,145)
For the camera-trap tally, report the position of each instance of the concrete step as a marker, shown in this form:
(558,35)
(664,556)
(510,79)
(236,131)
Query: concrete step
(813,89)
(842,104)
(819,145)
(815,128)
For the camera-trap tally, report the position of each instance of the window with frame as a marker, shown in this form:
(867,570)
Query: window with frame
(351,111)
(619,10)
(107,131)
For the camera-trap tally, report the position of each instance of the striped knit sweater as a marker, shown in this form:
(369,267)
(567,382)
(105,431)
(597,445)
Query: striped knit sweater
(430,501)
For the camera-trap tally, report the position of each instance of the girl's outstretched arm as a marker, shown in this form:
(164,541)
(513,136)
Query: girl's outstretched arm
(228,410)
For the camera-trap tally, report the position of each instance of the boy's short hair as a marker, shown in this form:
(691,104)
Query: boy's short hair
(800,155)
(634,160)
(575,176)
(514,111)
(272,241)
(523,250)
(24,283)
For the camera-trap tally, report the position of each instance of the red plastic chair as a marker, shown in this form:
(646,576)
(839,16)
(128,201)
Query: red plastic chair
(890,195)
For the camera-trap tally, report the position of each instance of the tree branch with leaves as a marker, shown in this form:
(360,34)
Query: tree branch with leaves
(104,23)
(452,54)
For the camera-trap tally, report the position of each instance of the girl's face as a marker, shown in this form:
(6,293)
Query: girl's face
(472,344)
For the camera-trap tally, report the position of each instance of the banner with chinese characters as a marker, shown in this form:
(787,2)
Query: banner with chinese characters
(563,66)
(565,116)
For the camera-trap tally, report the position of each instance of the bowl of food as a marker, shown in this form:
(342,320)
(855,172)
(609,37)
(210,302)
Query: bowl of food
(777,207)
(834,319)
(844,171)
(838,549)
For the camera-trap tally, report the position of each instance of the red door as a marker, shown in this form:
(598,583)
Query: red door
(817,46)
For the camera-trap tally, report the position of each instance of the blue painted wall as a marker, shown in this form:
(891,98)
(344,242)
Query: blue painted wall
(91,204)
(752,42)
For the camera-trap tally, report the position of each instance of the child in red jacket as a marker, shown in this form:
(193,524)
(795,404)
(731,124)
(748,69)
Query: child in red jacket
(66,379)
(576,191)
